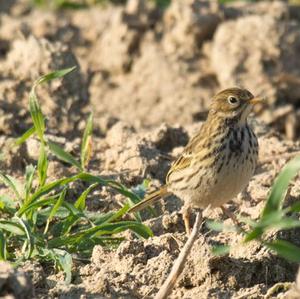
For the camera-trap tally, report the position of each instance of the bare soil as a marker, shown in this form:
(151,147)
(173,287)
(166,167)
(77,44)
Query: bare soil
(148,75)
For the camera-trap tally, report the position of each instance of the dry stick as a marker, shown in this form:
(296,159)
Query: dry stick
(177,268)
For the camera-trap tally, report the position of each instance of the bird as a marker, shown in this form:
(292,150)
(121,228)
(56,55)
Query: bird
(218,162)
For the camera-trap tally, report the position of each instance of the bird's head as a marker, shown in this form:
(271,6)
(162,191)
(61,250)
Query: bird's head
(233,103)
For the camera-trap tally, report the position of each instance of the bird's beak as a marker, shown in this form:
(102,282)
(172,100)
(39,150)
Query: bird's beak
(256,100)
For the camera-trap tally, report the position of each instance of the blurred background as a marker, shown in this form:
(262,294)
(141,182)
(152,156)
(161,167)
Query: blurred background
(147,62)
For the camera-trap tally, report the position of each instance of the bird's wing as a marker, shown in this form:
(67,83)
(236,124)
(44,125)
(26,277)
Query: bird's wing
(187,156)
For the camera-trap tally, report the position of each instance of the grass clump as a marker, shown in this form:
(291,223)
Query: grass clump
(39,222)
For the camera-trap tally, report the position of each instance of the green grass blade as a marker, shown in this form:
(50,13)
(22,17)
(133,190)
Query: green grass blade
(2,247)
(295,207)
(36,115)
(99,230)
(45,190)
(12,227)
(54,75)
(25,136)
(34,106)
(108,217)
(42,165)
(281,223)
(134,198)
(285,250)
(280,186)
(55,208)
(254,234)
(86,145)
(286,223)
(98,218)
(272,215)
(76,213)
(29,175)
(117,227)
(72,209)
(11,183)
(30,238)
(89,178)
(117,215)
(220,250)
(275,220)
(65,226)
(269,220)
(7,204)
(163,4)
(64,259)
(80,202)
(70,5)
(51,186)
(62,155)
(124,191)
(33,206)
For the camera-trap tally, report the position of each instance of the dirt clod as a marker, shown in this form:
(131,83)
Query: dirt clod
(14,283)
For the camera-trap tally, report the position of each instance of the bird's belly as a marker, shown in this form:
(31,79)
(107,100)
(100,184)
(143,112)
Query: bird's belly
(217,188)
(231,181)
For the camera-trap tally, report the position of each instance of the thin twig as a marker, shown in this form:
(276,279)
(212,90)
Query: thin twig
(178,266)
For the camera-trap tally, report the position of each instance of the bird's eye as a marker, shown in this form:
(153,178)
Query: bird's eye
(232,100)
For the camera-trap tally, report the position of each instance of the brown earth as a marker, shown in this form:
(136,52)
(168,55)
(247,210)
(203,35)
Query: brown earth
(148,76)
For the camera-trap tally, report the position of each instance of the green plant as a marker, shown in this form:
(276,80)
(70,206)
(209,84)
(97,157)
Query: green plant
(79,4)
(39,221)
(273,217)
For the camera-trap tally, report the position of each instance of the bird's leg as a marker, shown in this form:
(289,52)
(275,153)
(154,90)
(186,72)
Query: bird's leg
(230,215)
(186,211)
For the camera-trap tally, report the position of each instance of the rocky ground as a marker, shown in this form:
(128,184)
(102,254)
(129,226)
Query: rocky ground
(148,75)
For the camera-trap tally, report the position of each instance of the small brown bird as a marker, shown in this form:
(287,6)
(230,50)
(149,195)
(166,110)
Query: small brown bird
(219,160)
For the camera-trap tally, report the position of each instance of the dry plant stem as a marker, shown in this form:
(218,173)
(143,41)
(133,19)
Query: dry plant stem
(178,266)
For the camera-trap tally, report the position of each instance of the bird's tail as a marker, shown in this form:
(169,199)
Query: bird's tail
(150,199)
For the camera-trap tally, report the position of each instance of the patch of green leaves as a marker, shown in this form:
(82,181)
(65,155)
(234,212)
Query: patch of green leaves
(280,186)
(285,250)
(62,155)
(40,219)
(220,250)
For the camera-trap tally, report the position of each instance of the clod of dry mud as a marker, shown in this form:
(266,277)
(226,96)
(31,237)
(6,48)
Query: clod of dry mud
(135,156)
(180,93)
(27,59)
(262,55)
(271,62)
(187,25)
(14,283)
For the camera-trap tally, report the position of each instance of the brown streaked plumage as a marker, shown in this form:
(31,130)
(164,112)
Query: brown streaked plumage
(219,160)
